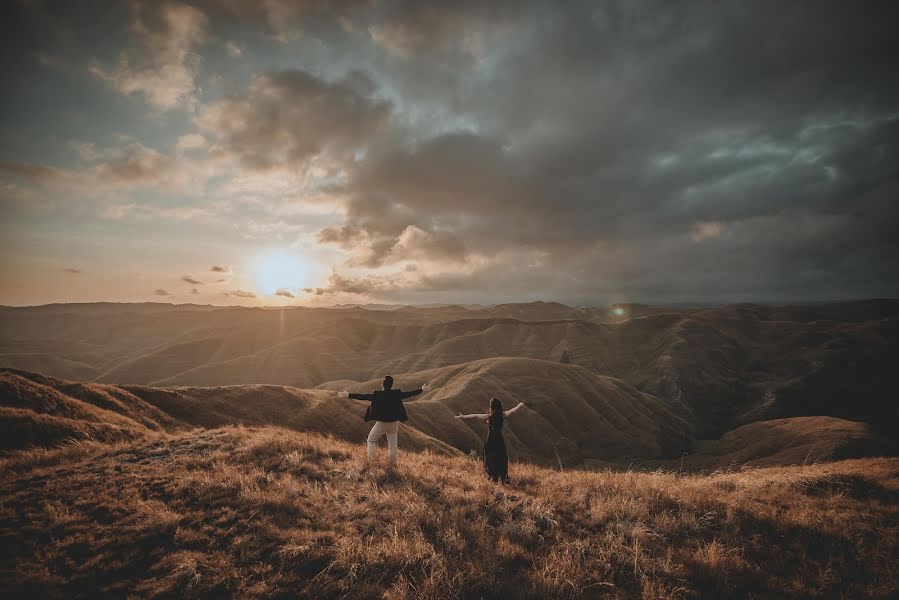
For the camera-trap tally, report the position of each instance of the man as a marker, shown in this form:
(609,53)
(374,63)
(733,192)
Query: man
(386,410)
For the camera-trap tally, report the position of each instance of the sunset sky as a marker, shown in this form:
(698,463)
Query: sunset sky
(273,153)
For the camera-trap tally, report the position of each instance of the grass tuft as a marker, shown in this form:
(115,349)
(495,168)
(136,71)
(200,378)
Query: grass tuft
(269,512)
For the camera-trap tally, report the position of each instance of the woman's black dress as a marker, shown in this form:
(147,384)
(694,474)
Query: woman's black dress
(496,461)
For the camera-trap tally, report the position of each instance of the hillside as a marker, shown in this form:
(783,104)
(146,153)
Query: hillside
(571,413)
(43,411)
(263,513)
(716,367)
(581,416)
(580,419)
(800,440)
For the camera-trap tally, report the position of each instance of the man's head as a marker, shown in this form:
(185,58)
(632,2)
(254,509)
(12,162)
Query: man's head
(388,382)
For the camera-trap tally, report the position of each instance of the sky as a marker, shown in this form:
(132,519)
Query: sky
(274,153)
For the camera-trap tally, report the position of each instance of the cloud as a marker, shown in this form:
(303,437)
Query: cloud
(40,174)
(291,117)
(240,294)
(73,270)
(597,170)
(283,18)
(194,291)
(348,237)
(135,165)
(164,68)
(161,292)
(706,230)
(190,141)
(284,292)
(578,150)
(191,280)
(415,243)
(108,170)
(233,50)
(339,284)
(454,29)
(220,268)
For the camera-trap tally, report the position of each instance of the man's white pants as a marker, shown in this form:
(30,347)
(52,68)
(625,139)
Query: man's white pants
(383,428)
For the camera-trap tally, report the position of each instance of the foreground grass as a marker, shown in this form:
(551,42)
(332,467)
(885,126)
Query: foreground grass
(274,513)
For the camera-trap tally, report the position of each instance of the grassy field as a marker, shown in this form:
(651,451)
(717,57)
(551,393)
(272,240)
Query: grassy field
(269,512)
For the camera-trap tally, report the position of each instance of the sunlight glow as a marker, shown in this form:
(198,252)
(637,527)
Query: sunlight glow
(279,269)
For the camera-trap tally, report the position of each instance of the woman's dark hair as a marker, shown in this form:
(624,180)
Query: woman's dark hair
(496,414)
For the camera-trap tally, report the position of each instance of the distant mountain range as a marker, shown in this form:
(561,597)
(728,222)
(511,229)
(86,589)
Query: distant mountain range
(612,383)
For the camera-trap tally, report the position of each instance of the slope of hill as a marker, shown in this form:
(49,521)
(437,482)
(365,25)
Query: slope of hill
(582,418)
(49,363)
(717,367)
(571,413)
(800,440)
(37,410)
(44,411)
(263,513)
(730,369)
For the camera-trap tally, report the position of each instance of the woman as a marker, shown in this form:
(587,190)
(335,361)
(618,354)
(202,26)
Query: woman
(496,460)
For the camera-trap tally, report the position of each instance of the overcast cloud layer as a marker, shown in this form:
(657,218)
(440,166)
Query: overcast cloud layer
(585,152)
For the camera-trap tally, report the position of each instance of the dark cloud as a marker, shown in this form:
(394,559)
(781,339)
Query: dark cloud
(584,151)
(339,284)
(240,294)
(459,30)
(191,280)
(161,292)
(290,117)
(648,149)
(73,270)
(277,17)
(284,292)
(413,243)
(194,291)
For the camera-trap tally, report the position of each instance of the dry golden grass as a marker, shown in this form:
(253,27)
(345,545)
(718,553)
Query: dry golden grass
(269,512)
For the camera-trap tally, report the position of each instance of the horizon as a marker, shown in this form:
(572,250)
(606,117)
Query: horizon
(406,153)
(476,306)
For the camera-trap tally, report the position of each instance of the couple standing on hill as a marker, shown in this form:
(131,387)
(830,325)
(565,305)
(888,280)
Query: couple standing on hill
(386,410)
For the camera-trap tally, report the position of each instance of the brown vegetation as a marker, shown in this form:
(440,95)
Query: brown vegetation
(265,513)
(716,367)
(36,410)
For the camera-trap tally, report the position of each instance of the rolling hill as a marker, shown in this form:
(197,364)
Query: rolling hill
(274,513)
(571,413)
(36,410)
(717,368)
(581,420)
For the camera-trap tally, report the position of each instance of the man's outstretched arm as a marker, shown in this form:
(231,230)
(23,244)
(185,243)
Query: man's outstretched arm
(423,388)
(354,396)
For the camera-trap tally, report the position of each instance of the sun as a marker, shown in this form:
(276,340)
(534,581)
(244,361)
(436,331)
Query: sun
(279,269)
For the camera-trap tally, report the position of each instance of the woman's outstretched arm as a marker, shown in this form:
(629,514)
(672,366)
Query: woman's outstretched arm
(473,416)
(511,410)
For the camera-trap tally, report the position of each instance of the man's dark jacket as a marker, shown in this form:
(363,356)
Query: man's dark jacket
(386,405)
